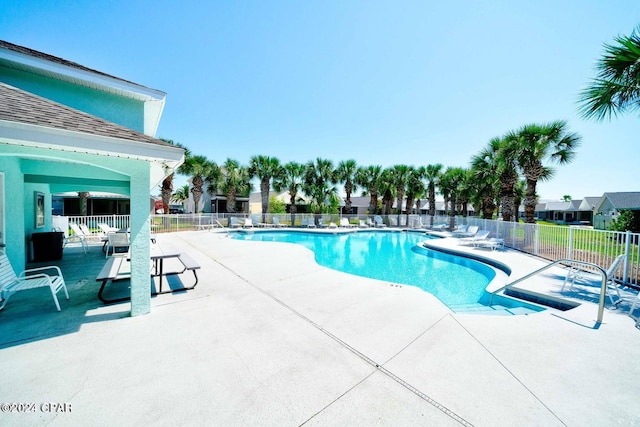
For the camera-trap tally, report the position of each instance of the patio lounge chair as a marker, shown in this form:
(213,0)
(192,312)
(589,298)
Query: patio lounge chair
(344,222)
(78,236)
(87,233)
(106,229)
(585,276)
(363,224)
(377,220)
(248,223)
(460,230)
(479,236)
(29,279)
(308,222)
(276,222)
(464,231)
(417,223)
(233,222)
(492,243)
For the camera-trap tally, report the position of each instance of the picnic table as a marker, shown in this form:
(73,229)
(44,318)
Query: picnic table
(118,268)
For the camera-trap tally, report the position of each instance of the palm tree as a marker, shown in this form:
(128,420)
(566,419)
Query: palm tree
(265,168)
(616,88)
(235,182)
(213,180)
(400,176)
(198,167)
(387,188)
(181,194)
(452,180)
(536,143)
(464,192)
(346,172)
(291,180)
(369,178)
(415,188)
(484,172)
(166,188)
(432,176)
(318,184)
(506,151)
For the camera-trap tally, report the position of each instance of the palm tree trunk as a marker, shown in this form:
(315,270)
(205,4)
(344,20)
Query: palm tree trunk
(231,201)
(399,199)
(373,203)
(409,208)
(452,216)
(432,204)
(167,190)
(197,192)
(292,208)
(84,197)
(264,193)
(530,201)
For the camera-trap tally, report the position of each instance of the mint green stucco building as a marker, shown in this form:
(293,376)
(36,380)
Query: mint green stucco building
(67,128)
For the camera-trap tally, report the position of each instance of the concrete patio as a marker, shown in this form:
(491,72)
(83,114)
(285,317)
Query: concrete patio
(269,337)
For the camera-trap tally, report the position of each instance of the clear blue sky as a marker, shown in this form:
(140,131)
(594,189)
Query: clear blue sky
(394,82)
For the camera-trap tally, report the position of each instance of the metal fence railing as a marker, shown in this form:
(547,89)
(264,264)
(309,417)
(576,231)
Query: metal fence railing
(583,244)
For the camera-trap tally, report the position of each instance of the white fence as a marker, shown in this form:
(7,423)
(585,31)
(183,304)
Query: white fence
(550,242)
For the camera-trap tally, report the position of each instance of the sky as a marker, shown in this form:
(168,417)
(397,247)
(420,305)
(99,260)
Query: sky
(380,82)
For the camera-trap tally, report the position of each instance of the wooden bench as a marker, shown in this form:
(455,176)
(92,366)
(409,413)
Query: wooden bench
(113,270)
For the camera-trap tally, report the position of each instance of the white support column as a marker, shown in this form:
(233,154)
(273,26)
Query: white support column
(140,242)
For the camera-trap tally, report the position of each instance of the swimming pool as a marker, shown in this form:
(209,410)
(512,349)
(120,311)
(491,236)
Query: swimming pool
(394,257)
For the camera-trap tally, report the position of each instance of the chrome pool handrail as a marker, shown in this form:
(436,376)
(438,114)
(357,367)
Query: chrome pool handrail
(603,286)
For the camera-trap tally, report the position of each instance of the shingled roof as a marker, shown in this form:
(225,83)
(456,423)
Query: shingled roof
(56,60)
(624,200)
(23,107)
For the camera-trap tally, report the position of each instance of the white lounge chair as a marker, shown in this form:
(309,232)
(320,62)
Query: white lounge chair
(377,220)
(469,231)
(344,222)
(362,224)
(492,243)
(106,229)
(248,223)
(417,223)
(78,236)
(276,222)
(233,222)
(479,236)
(439,227)
(460,230)
(85,229)
(11,283)
(588,277)
(308,222)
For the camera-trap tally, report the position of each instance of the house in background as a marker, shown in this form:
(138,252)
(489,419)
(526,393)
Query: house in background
(67,128)
(578,211)
(610,205)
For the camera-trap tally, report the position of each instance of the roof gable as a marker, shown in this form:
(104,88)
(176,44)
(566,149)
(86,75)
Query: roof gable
(37,63)
(624,200)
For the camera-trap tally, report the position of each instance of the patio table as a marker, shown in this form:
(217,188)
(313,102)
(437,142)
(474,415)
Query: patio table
(118,268)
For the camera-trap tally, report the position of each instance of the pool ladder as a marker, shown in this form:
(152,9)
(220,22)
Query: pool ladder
(603,286)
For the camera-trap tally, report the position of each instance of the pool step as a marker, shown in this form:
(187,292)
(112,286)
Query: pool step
(495,310)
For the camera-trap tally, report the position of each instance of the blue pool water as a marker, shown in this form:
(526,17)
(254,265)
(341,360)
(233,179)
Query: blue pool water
(394,257)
